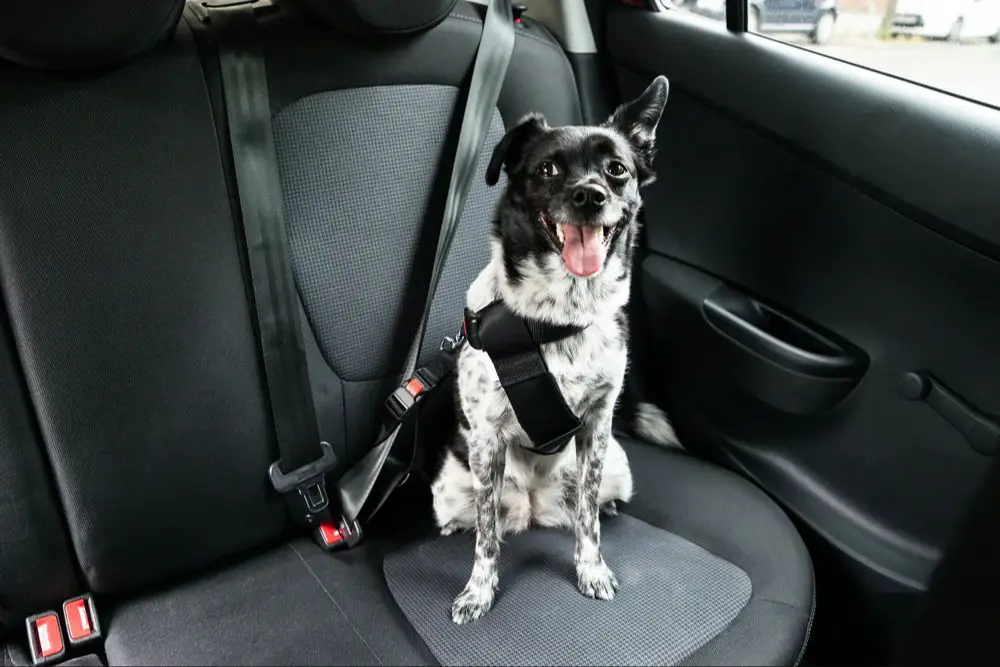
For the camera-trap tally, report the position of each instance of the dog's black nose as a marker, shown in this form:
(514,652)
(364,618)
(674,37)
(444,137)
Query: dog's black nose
(589,195)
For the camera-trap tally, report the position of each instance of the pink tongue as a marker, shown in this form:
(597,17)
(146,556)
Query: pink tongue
(583,250)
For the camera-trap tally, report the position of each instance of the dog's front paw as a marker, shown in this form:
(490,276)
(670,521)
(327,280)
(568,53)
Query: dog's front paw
(472,603)
(596,580)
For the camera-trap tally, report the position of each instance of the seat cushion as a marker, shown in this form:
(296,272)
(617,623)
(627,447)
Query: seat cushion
(711,572)
(292,605)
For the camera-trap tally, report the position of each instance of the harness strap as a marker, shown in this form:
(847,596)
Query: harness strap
(513,345)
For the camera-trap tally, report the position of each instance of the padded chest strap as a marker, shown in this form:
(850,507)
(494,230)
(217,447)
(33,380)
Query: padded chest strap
(513,345)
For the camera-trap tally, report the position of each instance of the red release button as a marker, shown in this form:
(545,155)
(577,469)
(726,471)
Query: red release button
(78,622)
(330,533)
(414,386)
(49,636)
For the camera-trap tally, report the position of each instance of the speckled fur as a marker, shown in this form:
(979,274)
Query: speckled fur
(489,483)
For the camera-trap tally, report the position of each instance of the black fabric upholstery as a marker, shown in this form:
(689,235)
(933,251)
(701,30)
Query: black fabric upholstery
(381,17)
(119,264)
(733,519)
(36,568)
(294,605)
(74,34)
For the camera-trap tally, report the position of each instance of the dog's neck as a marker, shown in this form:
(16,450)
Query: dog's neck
(545,290)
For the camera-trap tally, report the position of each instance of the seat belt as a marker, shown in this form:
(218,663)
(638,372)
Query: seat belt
(300,474)
(367,485)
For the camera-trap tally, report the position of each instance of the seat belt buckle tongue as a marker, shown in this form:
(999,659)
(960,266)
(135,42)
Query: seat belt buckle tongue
(309,482)
(45,639)
(332,536)
(81,620)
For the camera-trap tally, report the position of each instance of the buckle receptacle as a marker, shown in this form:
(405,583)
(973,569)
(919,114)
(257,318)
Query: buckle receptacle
(333,536)
(309,482)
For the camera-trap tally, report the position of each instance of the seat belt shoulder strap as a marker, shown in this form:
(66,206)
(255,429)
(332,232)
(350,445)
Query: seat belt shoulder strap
(364,487)
(300,473)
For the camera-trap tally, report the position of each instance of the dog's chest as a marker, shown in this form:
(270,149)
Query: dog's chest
(588,365)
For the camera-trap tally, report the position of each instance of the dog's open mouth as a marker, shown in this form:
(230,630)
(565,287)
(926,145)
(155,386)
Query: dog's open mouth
(583,247)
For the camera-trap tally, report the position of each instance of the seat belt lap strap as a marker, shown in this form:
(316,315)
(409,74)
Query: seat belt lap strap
(300,474)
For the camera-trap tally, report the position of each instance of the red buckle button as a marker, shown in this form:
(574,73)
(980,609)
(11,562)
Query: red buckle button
(81,619)
(45,637)
(330,534)
(414,387)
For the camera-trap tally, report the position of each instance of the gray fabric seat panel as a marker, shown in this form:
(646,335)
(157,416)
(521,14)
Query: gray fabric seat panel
(710,569)
(359,133)
(673,598)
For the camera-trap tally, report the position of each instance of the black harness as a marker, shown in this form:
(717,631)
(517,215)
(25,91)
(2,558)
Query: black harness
(513,345)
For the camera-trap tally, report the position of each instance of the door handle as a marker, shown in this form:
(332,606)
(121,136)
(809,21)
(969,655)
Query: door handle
(777,337)
(979,430)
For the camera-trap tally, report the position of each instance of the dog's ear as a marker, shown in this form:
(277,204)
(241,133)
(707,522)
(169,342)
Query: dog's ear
(637,121)
(508,151)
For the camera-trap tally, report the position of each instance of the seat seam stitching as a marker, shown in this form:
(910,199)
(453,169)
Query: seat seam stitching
(784,604)
(329,595)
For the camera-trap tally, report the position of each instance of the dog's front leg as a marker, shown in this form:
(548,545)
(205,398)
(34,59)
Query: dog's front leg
(594,578)
(487,457)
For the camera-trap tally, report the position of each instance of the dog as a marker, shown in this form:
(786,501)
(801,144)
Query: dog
(562,242)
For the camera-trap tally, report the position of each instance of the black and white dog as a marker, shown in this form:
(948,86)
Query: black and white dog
(562,240)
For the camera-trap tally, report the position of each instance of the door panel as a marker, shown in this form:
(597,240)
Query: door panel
(817,232)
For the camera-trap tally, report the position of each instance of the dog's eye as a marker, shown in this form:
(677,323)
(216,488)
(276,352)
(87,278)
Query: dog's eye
(547,169)
(617,169)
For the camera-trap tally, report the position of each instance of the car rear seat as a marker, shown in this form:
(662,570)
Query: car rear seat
(121,270)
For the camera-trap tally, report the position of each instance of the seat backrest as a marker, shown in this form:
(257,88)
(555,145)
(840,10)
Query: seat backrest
(361,121)
(120,266)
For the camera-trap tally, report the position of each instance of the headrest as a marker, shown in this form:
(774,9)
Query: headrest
(381,17)
(83,34)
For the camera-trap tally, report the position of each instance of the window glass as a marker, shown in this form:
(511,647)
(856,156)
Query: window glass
(953,45)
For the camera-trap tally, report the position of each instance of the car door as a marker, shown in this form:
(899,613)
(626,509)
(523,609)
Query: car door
(821,287)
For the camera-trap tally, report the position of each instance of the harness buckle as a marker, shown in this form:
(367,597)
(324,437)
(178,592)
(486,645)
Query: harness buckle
(402,400)
(309,481)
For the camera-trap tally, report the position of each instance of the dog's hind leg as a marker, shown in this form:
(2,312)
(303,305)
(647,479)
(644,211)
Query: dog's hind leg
(487,458)
(454,499)
(616,479)
(594,578)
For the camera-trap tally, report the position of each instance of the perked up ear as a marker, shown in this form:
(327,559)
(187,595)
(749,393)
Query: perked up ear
(637,121)
(508,151)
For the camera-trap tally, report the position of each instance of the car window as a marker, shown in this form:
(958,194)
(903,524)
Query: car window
(952,45)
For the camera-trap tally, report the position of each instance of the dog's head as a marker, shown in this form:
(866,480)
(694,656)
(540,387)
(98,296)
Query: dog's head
(573,192)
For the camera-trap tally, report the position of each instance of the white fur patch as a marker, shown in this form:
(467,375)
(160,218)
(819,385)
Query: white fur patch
(652,424)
